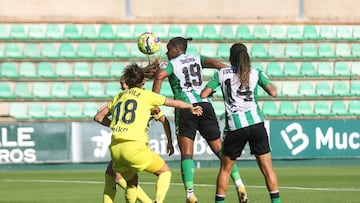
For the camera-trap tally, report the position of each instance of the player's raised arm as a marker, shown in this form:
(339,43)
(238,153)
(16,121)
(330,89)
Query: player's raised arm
(197,110)
(159,77)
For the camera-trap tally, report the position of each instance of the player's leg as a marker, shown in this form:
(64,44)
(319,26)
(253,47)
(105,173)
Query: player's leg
(223,178)
(259,145)
(265,165)
(110,185)
(186,124)
(131,189)
(163,173)
(209,129)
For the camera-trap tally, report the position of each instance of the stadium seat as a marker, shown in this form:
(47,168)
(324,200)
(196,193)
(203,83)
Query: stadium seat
(208,50)
(121,51)
(192,49)
(356,32)
(273,69)
(41,90)
(289,89)
(276,51)
(37,111)
(324,89)
(210,32)
(257,65)
(64,70)
(355,87)
(322,108)
(106,32)
(292,50)
(325,69)
(341,89)
(160,31)
(18,32)
(307,69)
(2,53)
(4,33)
(325,50)
(124,31)
(77,90)
(6,91)
(269,108)
(175,31)
(192,30)
(103,51)
(18,111)
(166,90)
(71,32)
(32,51)
(112,89)
(27,70)
(287,108)
(243,32)
(354,107)
(36,32)
(277,32)
(135,52)
(82,70)
(67,51)
(260,32)
(327,32)
(355,50)
(305,108)
(49,51)
(88,32)
(294,32)
(344,32)
(90,109)
(139,29)
(100,70)
(258,50)
(54,110)
(208,72)
(54,32)
(13,51)
(339,108)
(223,50)
(59,90)
(341,68)
(226,32)
(116,69)
(355,68)
(9,70)
(306,89)
(291,69)
(310,32)
(96,90)
(309,50)
(22,90)
(85,50)
(73,110)
(219,108)
(342,50)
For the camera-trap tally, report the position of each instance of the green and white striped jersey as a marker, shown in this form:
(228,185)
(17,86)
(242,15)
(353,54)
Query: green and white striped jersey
(186,77)
(241,105)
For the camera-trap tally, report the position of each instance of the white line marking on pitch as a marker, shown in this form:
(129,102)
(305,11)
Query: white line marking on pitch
(180,184)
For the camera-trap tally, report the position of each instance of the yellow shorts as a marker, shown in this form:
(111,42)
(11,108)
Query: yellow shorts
(131,157)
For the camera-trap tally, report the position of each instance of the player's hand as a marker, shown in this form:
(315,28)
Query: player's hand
(155,110)
(170,149)
(197,110)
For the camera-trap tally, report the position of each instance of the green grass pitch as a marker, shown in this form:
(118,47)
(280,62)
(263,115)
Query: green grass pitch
(340,184)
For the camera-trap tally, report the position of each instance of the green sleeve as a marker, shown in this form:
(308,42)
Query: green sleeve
(264,80)
(214,81)
(202,59)
(169,68)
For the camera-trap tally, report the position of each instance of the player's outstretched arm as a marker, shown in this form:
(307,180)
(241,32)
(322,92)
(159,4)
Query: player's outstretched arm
(102,115)
(197,110)
(159,77)
(271,90)
(206,92)
(213,63)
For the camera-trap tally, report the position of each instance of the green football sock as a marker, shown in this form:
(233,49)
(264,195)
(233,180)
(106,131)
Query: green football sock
(187,172)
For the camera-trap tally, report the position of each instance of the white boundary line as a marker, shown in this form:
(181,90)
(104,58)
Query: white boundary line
(180,184)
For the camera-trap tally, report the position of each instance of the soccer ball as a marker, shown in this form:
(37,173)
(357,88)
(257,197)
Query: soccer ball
(149,43)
